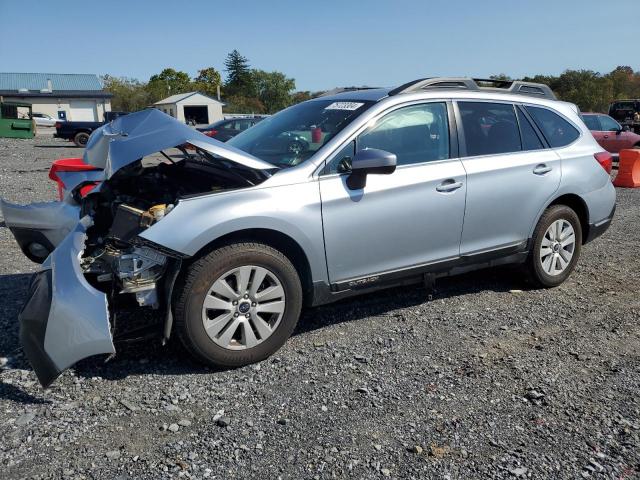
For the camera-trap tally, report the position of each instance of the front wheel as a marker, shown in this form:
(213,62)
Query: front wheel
(238,304)
(557,241)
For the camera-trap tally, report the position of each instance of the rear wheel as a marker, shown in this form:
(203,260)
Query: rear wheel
(238,304)
(81,139)
(557,241)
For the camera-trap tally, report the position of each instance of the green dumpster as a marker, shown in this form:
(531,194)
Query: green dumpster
(16,121)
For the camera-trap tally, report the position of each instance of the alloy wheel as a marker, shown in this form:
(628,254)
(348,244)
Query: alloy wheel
(243,307)
(557,247)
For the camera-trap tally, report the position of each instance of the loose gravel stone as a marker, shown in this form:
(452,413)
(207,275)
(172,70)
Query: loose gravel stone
(553,395)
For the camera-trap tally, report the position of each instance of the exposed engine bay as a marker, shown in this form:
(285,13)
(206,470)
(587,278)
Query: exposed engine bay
(115,260)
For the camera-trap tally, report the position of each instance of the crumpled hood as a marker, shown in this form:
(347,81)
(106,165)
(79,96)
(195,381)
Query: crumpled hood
(130,137)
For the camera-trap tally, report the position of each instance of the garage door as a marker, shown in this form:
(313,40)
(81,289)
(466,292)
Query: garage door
(83,111)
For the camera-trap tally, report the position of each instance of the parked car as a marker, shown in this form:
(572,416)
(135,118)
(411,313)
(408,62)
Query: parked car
(611,136)
(627,112)
(78,132)
(433,178)
(224,130)
(44,120)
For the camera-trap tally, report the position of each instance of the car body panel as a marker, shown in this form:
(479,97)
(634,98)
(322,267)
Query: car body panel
(130,137)
(77,321)
(504,196)
(396,221)
(54,220)
(293,210)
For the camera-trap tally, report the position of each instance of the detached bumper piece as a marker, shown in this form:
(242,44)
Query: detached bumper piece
(40,227)
(64,319)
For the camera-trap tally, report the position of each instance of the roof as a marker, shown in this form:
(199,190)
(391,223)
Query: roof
(179,97)
(57,94)
(59,81)
(371,94)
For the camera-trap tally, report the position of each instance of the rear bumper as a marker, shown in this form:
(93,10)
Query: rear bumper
(597,229)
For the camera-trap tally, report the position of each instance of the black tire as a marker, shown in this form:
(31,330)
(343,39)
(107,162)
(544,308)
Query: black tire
(534,267)
(198,279)
(81,139)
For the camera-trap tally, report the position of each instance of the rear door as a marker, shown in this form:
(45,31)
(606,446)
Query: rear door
(400,221)
(510,175)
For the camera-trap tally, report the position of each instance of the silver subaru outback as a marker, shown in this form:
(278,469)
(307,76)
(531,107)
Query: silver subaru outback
(333,197)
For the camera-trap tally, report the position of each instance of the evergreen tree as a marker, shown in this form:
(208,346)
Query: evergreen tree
(238,75)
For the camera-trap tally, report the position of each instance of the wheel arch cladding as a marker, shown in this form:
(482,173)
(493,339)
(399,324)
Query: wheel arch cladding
(282,242)
(579,206)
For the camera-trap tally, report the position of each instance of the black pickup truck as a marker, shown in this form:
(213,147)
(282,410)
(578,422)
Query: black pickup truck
(78,132)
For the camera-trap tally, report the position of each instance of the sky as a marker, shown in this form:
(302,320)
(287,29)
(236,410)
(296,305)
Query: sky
(321,44)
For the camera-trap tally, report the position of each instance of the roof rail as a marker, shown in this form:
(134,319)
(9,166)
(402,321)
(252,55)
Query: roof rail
(477,84)
(344,89)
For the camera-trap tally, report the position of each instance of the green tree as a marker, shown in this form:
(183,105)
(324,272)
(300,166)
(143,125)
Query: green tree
(273,89)
(301,96)
(241,104)
(129,94)
(168,82)
(208,81)
(238,75)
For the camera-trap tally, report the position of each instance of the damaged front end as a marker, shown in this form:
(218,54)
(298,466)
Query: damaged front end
(102,267)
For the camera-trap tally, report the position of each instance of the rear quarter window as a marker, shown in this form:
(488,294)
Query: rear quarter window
(556,129)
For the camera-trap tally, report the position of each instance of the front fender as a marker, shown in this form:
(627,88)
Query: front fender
(293,210)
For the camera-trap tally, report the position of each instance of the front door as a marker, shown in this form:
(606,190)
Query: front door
(405,219)
(612,136)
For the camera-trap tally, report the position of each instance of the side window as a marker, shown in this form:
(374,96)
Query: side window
(591,121)
(556,129)
(416,134)
(608,124)
(341,163)
(528,135)
(489,128)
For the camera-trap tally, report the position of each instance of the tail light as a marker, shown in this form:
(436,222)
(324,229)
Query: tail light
(211,133)
(605,160)
(58,125)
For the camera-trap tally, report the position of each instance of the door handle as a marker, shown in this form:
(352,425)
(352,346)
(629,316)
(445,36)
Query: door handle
(542,169)
(448,186)
(606,136)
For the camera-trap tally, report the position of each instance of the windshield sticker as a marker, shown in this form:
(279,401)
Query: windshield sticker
(344,106)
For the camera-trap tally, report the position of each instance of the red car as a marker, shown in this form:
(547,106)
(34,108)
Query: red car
(610,134)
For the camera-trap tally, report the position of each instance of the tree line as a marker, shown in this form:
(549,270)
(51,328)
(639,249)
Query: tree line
(249,90)
(244,90)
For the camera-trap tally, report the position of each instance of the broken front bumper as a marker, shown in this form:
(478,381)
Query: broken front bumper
(40,227)
(64,318)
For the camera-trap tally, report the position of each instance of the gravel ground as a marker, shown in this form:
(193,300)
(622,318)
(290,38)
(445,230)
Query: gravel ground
(487,380)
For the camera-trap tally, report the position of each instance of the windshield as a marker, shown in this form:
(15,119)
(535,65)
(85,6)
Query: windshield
(293,135)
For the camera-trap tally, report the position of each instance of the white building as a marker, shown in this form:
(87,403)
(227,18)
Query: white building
(71,96)
(192,106)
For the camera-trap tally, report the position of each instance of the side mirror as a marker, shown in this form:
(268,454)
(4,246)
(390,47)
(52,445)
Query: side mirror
(370,161)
